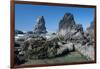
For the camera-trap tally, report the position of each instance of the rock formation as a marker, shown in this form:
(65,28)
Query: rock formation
(68,28)
(90,29)
(66,23)
(72,32)
(40,48)
(90,33)
(18,32)
(40,26)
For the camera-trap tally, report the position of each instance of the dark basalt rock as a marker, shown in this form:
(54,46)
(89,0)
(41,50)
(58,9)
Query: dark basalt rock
(40,26)
(18,32)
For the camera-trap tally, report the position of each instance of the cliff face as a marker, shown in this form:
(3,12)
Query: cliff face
(40,26)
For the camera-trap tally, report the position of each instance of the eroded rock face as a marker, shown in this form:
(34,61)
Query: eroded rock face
(40,48)
(66,23)
(90,30)
(91,26)
(69,29)
(90,34)
(74,33)
(40,26)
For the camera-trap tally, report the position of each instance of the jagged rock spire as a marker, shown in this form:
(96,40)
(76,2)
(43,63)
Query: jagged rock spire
(40,26)
(67,21)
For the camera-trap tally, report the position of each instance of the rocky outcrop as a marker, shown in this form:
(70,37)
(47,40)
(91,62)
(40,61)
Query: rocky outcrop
(91,26)
(40,48)
(90,34)
(69,29)
(18,32)
(73,33)
(40,26)
(90,30)
(66,23)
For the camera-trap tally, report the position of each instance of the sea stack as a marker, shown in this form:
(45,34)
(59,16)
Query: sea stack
(40,26)
(69,29)
(66,23)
